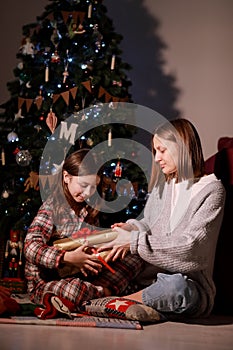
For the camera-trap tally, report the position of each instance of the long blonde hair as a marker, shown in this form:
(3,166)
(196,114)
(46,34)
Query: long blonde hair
(190,163)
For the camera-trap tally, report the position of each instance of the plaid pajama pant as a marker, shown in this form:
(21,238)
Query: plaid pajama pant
(78,289)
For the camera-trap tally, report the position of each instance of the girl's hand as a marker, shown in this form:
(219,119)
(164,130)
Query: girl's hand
(87,263)
(119,246)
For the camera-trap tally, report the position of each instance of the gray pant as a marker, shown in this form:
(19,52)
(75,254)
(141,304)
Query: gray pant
(171,293)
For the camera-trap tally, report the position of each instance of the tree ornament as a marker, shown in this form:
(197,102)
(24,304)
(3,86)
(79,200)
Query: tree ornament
(13,253)
(97,36)
(75,29)
(116,82)
(37,127)
(32,181)
(90,142)
(76,107)
(72,29)
(81,29)
(12,137)
(16,150)
(5,194)
(23,78)
(27,48)
(55,58)
(18,115)
(55,37)
(51,121)
(20,65)
(23,158)
(28,85)
(118,169)
(65,74)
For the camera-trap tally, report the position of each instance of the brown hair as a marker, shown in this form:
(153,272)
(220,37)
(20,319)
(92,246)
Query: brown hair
(190,162)
(78,163)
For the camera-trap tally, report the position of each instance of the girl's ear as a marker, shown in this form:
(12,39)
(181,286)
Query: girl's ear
(66,177)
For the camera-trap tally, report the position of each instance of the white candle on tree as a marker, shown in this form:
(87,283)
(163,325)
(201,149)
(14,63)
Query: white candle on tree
(89,11)
(113,62)
(3,157)
(110,138)
(46,74)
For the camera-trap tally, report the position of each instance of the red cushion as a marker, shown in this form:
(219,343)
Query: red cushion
(222,165)
(225,142)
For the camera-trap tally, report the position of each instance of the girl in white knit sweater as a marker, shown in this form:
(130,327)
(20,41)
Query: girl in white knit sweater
(178,235)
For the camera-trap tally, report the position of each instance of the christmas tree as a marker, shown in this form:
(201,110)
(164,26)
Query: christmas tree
(69,61)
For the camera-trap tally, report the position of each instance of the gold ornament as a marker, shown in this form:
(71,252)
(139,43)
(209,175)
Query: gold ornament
(32,181)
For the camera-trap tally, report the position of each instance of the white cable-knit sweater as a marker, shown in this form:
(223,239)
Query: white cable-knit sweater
(179,232)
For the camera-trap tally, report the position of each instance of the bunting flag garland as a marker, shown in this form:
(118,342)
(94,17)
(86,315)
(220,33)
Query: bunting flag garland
(28,104)
(77,16)
(34,29)
(87,85)
(55,97)
(108,97)
(106,94)
(39,101)
(47,181)
(66,96)
(101,92)
(73,92)
(20,102)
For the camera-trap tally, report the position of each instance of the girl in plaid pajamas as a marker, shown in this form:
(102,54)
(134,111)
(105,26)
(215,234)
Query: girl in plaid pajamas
(62,215)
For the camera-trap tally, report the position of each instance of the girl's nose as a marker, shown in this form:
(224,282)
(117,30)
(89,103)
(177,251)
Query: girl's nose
(88,191)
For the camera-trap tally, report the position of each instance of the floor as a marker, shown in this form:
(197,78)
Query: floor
(214,334)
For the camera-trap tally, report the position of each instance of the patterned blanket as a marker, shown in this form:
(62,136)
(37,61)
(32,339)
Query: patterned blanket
(84,321)
(56,313)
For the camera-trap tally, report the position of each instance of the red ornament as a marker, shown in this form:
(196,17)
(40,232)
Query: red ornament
(16,150)
(118,170)
(55,58)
